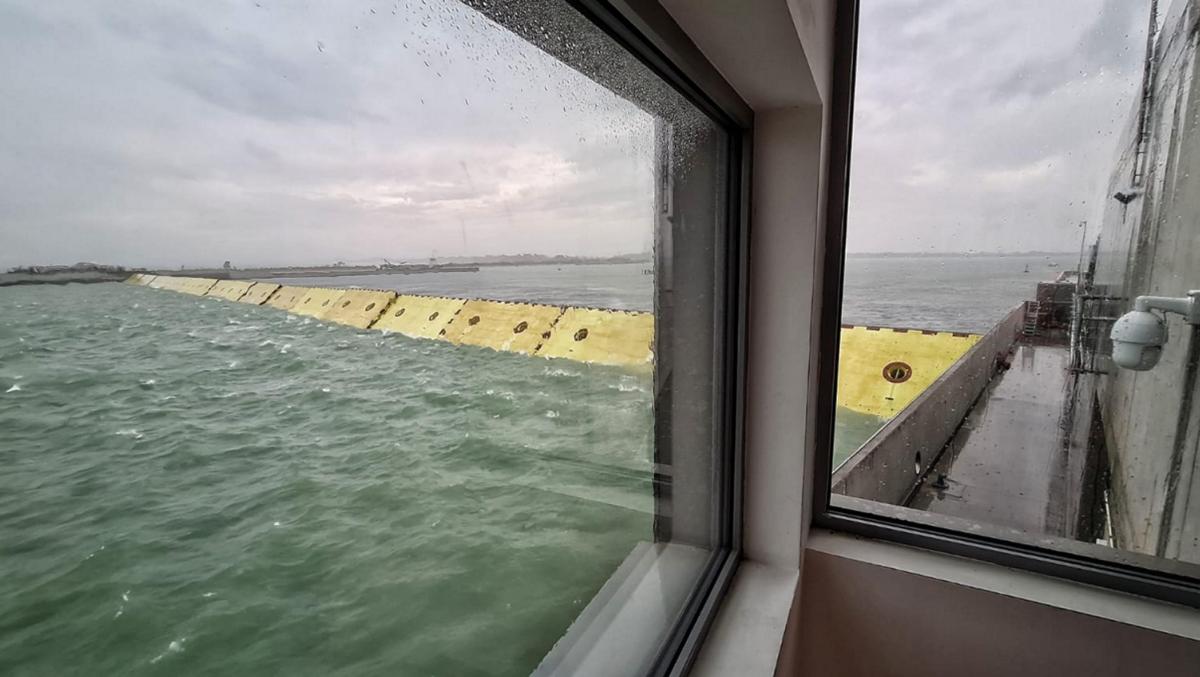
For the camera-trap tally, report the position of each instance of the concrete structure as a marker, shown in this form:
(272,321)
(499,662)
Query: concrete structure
(1013,463)
(1150,244)
(888,467)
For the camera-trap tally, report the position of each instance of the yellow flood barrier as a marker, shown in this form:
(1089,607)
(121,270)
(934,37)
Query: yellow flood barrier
(196,286)
(512,327)
(285,297)
(602,336)
(259,292)
(140,279)
(419,316)
(230,290)
(317,301)
(881,370)
(359,307)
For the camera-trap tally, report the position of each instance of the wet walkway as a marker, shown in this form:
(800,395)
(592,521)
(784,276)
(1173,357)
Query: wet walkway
(1008,464)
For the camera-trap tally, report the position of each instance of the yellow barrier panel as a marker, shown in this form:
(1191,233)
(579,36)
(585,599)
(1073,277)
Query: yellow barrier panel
(359,307)
(285,297)
(882,370)
(259,292)
(317,301)
(602,336)
(512,327)
(419,316)
(140,279)
(230,290)
(196,286)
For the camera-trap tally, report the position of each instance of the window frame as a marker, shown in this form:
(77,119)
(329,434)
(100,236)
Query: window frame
(1167,587)
(646,31)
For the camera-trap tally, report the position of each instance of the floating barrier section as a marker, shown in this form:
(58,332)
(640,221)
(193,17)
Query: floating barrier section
(881,370)
(230,290)
(419,316)
(317,301)
(141,279)
(511,327)
(602,336)
(359,307)
(196,286)
(259,292)
(285,297)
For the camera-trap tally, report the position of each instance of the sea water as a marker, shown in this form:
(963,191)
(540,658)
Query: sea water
(193,486)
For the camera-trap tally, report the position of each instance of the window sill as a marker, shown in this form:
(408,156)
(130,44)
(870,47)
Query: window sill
(746,636)
(1132,610)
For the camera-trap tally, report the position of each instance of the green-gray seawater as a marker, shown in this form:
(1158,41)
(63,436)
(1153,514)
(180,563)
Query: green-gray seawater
(192,486)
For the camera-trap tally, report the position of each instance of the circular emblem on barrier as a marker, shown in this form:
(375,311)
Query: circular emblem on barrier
(398,313)
(369,307)
(897,372)
(581,334)
(345,304)
(473,321)
(433,316)
(521,326)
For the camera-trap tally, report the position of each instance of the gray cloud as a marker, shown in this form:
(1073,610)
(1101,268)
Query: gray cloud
(270,133)
(988,127)
(267,132)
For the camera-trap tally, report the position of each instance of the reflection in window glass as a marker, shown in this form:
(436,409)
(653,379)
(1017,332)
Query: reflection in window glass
(390,391)
(1021,178)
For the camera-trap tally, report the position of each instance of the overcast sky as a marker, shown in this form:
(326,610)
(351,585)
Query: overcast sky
(989,126)
(165,134)
(264,132)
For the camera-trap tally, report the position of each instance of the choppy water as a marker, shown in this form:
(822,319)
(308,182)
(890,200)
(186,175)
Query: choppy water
(192,486)
(947,293)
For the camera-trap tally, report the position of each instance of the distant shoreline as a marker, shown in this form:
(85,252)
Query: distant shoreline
(83,277)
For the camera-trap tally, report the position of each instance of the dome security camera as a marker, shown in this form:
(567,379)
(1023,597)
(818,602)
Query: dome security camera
(1139,336)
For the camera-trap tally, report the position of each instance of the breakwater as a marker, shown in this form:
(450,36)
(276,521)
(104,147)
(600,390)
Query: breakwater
(882,369)
(612,337)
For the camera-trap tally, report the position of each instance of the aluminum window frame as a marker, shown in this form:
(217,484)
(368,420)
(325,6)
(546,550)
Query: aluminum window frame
(1078,568)
(646,30)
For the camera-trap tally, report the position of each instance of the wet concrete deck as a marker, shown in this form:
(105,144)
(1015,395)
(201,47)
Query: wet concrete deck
(1010,462)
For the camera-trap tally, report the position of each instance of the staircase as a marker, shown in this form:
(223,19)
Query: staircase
(1033,311)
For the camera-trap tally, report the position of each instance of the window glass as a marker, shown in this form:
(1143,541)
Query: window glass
(1018,353)
(377,372)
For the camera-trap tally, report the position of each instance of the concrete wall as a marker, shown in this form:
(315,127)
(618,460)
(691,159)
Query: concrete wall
(1152,246)
(888,466)
(880,618)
